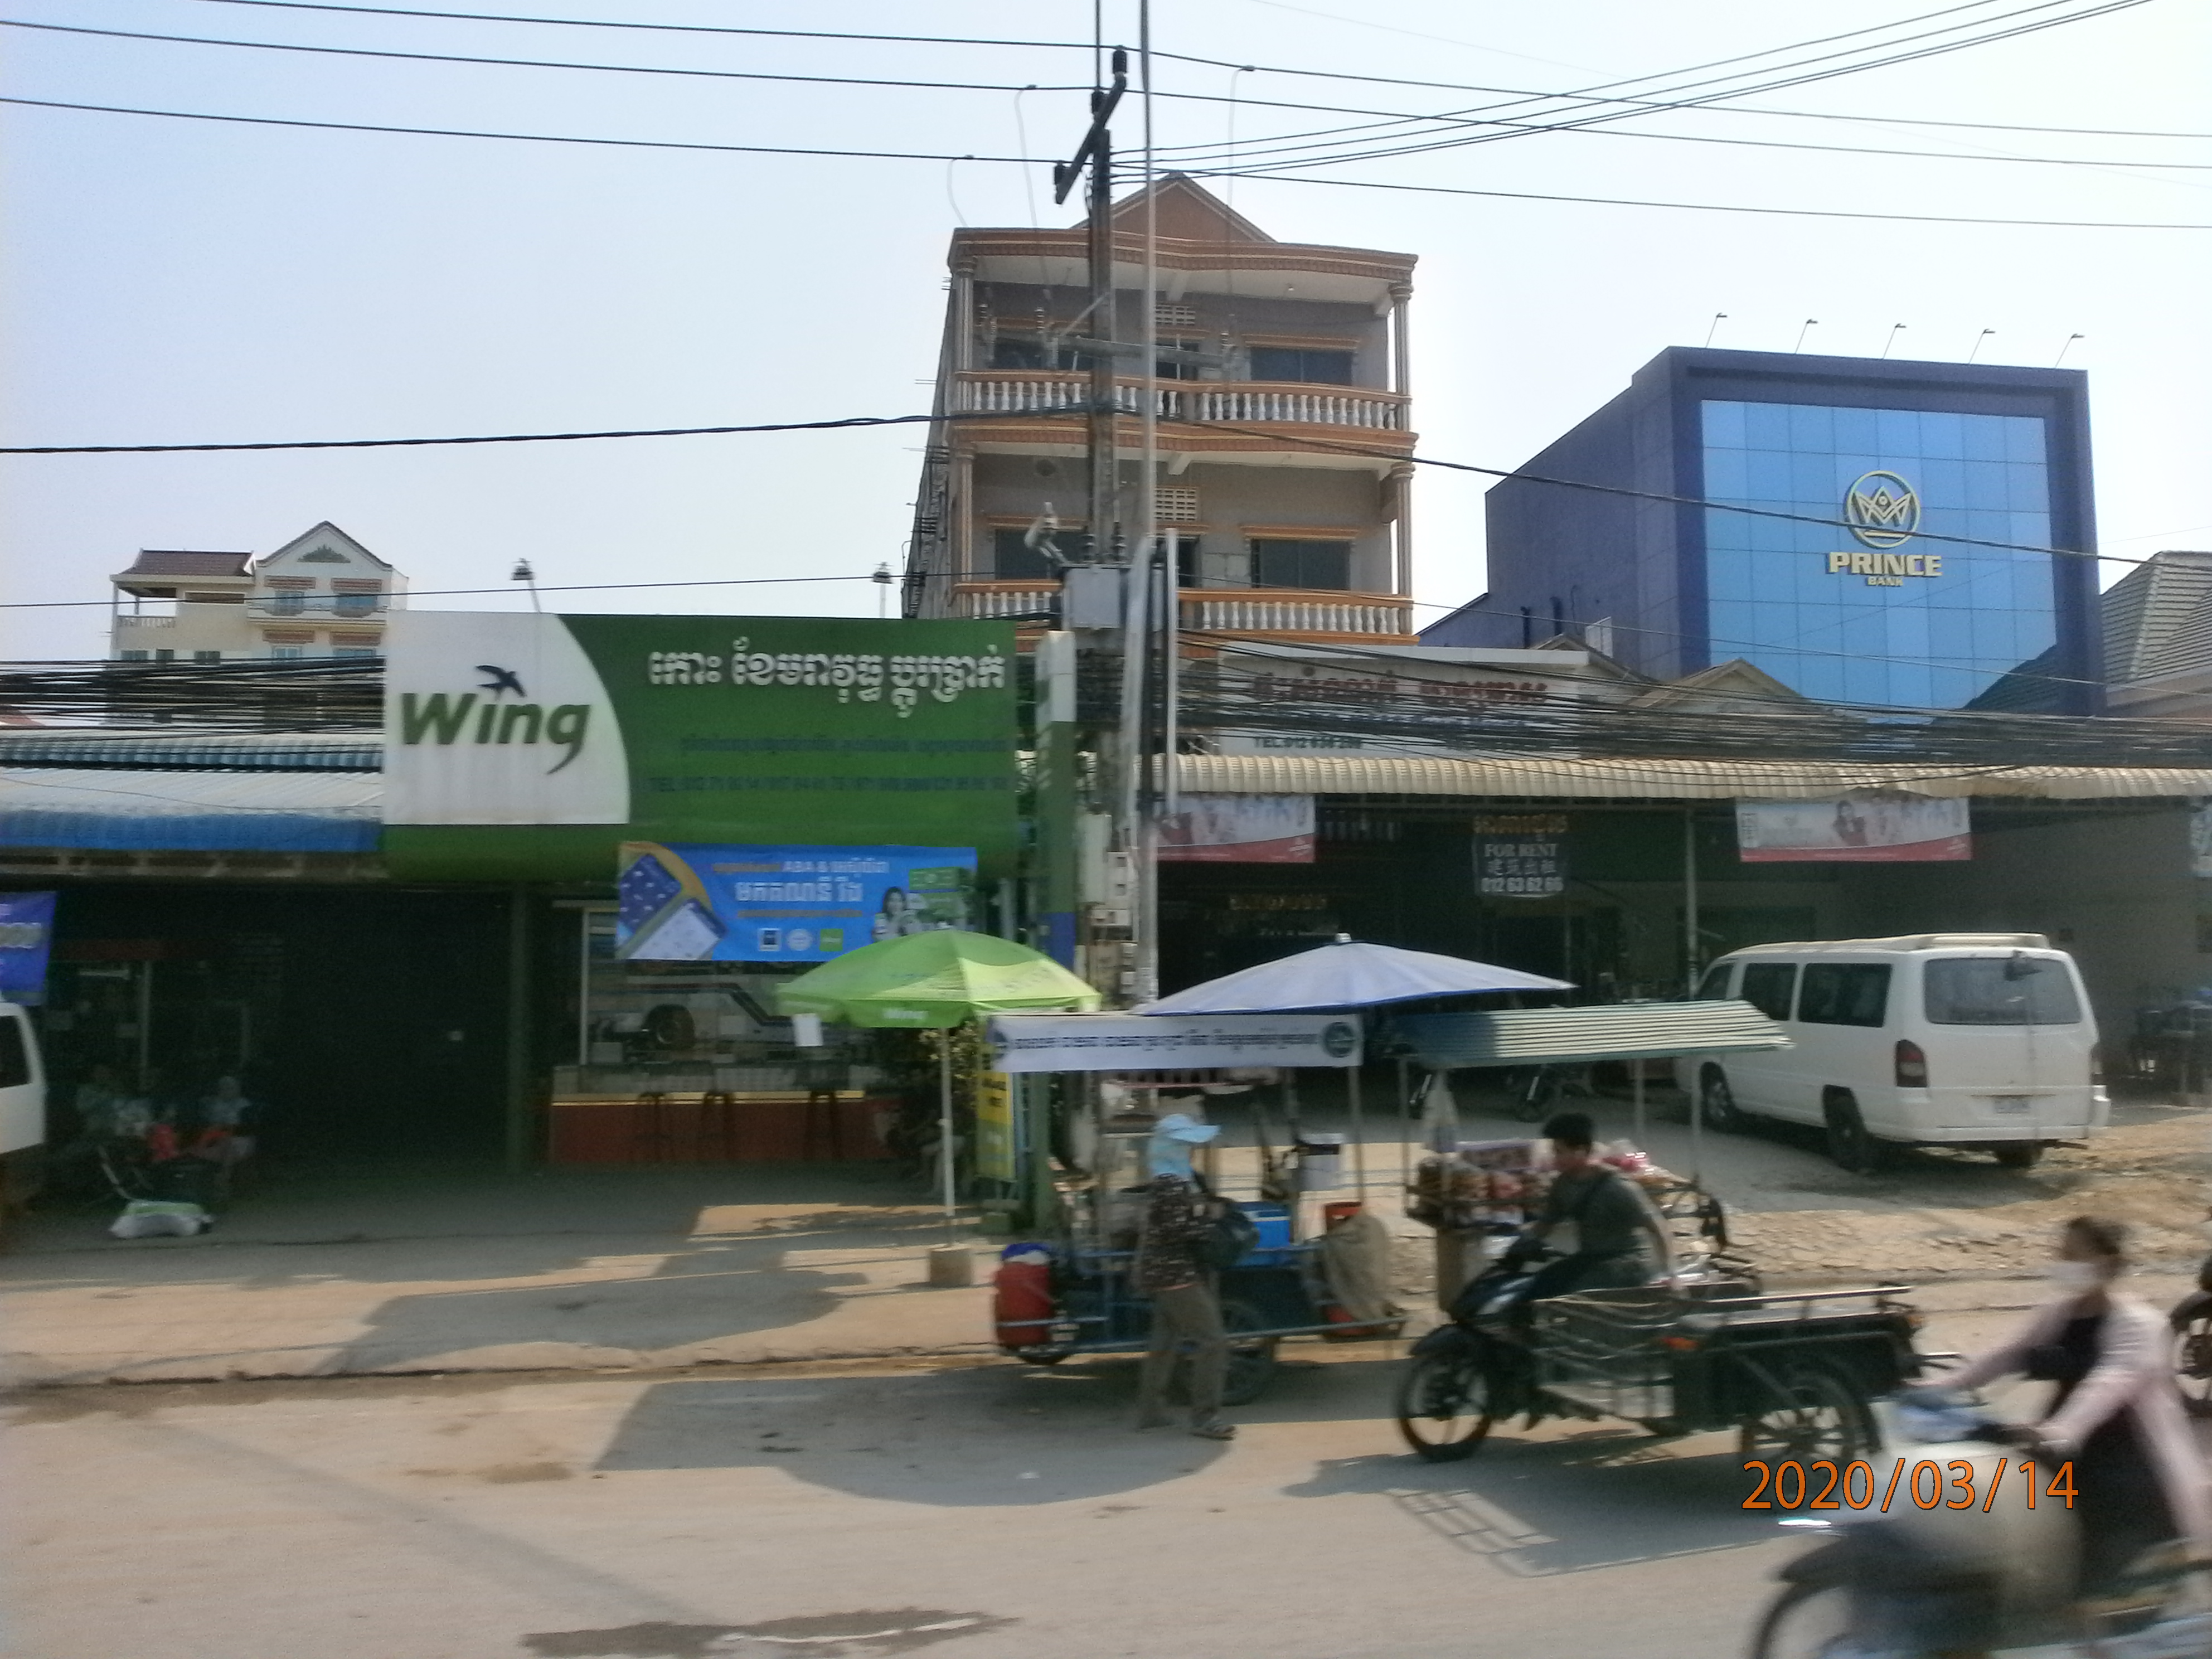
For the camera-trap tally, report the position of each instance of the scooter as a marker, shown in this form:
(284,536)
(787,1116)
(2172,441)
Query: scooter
(1948,1555)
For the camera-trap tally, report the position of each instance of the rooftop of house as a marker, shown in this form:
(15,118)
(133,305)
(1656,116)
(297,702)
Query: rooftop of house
(2158,617)
(179,562)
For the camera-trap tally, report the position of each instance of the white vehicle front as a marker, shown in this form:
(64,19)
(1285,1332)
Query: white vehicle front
(22,1108)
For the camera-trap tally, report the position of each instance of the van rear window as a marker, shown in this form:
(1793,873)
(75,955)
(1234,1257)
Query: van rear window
(15,1058)
(1767,987)
(2015,990)
(1844,993)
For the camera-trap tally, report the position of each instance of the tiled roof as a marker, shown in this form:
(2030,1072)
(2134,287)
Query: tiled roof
(2158,617)
(164,562)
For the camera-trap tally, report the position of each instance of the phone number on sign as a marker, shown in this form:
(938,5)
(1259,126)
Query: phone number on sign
(1927,1485)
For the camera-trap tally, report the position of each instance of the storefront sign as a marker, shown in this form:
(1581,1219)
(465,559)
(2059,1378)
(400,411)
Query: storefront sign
(997,1157)
(1169,1042)
(735,903)
(531,746)
(1445,699)
(27,939)
(1875,828)
(1239,829)
(1520,855)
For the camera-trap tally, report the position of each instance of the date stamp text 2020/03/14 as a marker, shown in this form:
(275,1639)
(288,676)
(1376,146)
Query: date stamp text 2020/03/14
(1927,1485)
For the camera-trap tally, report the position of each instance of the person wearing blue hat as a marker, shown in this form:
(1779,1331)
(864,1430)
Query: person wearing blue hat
(1185,1312)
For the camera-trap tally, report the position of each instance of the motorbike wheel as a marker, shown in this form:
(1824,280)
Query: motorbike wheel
(1532,1096)
(1444,1408)
(1806,1621)
(2192,1364)
(1817,1416)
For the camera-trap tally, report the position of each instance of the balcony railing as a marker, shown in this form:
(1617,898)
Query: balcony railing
(1302,612)
(1034,391)
(346,607)
(128,621)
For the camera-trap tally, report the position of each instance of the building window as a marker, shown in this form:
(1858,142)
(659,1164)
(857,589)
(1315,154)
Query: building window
(1178,504)
(1167,314)
(207,656)
(288,653)
(287,605)
(1012,351)
(353,651)
(1301,363)
(137,656)
(1283,562)
(355,604)
(1186,567)
(1177,360)
(165,656)
(1013,560)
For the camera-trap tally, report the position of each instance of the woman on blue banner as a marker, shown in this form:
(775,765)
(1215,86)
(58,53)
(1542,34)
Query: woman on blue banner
(895,919)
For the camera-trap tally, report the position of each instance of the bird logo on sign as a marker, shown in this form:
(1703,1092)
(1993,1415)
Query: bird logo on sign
(1881,509)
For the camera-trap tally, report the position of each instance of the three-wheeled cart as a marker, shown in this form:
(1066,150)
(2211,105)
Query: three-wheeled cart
(1793,1373)
(1072,1293)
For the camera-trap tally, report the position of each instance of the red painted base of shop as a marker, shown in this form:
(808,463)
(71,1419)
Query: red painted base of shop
(685,1129)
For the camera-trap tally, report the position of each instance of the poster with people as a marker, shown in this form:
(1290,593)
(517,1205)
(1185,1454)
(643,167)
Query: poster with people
(679,902)
(1875,827)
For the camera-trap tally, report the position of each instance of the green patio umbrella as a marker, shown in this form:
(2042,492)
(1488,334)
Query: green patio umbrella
(930,982)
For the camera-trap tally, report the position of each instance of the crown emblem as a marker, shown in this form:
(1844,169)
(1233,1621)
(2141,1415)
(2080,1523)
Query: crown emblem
(1882,510)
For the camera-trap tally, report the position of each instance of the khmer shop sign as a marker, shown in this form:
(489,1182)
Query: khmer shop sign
(520,745)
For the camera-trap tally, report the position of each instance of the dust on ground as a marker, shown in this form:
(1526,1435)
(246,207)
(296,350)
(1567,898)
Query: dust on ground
(1934,1214)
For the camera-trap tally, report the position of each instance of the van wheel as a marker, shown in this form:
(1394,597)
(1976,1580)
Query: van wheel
(1716,1102)
(2019,1154)
(1849,1143)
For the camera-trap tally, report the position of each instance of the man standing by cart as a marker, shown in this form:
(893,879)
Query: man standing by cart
(1178,1215)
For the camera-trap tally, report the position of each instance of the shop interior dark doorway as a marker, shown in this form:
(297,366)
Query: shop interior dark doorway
(368,1024)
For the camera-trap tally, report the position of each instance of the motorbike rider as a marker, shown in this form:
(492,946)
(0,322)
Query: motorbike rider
(1620,1242)
(2114,1414)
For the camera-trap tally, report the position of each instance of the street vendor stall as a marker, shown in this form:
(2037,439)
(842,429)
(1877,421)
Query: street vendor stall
(1472,1190)
(1318,1268)
(1072,1291)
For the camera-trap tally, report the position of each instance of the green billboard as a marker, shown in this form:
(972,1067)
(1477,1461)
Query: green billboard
(528,748)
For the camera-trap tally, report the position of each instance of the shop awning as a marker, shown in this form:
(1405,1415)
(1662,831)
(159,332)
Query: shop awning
(1573,1036)
(102,748)
(1593,778)
(113,810)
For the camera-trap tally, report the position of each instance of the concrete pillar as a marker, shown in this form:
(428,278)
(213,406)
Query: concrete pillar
(520,1138)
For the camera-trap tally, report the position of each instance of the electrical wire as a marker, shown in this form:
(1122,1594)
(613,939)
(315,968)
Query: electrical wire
(1604,113)
(1184,58)
(530,62)
(1395,115)
(447,592)
(525,138)
(1065,412)
(1015,161)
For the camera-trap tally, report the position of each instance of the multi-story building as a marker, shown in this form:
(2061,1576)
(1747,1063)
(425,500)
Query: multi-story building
(1281,394)
(1885,533)
(322,594)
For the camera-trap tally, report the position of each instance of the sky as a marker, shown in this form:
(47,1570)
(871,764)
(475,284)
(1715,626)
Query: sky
(172,280)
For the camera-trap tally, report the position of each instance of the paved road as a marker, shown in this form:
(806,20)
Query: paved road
(574,1517)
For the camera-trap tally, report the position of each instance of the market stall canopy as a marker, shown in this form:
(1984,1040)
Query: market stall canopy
(927,981)
(1572,1036)
(1346,975)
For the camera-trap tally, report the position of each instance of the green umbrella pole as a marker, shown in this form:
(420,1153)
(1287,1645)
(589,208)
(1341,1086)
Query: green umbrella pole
(945,1158)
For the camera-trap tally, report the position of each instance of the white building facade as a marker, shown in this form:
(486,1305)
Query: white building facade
(322,594)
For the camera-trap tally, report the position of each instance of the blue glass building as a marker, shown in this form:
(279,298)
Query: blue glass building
(1892,600)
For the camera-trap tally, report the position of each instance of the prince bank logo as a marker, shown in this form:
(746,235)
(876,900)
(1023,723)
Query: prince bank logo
(1882,510)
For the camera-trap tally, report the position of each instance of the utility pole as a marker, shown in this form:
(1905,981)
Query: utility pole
(1094,157)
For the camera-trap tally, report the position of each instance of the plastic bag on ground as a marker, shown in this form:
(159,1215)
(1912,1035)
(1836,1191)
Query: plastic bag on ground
(147,1217)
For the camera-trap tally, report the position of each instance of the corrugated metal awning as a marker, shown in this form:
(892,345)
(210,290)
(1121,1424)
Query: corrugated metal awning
(173,751)
(1571,1037)
(191,811)
(1593,778)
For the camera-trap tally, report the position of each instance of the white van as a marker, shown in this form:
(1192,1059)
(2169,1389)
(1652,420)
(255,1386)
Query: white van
(22,1108)
(1979,1040)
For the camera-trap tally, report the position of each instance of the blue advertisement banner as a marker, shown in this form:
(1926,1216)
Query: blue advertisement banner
(27,937)
(682,902)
